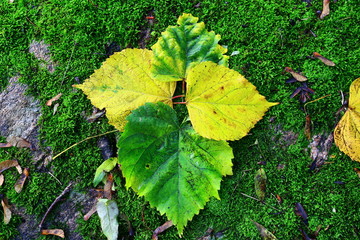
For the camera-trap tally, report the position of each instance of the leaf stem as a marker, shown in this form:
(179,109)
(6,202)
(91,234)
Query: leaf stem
(178,96)
(179,102)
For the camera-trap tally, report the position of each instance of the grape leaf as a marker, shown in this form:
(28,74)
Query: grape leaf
(222,104)
(123,83)
(170,164)
(181,47)
(347,131)
(108,212)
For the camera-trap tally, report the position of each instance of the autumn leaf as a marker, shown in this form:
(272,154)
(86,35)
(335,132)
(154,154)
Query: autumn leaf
(21,181)
(264,233)
(7,164)
(6,209)
(222,104)
(347,131)
(184,46)
(174,168)
(123,83)
(55,232)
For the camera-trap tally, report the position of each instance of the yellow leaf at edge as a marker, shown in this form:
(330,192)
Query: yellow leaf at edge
(222,104)
(124,83)
(347,132)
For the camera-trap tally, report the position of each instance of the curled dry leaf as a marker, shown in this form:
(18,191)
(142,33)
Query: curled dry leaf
(1,179)
(56,232)
(19,169)
(260,184)
(161,229)
(7,164)
(18,142)
(323,59)
(297,76)
(50,101)
(265,234)
(7,211)
(326,9)
(20,182)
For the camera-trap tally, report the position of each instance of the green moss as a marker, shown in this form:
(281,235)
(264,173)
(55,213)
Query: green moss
(269,35)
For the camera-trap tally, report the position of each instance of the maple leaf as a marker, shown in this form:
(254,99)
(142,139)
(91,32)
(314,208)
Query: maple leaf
(181,47)
(222,104)
(347,131)
(123,83)
(174,168)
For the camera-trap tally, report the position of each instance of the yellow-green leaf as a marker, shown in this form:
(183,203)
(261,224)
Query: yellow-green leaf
(222,104)
(181,47)
(124,83)
(347,132)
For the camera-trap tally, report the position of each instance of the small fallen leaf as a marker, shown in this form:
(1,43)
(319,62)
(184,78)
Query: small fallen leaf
(307,129)
(1,179)
(18,142)
(97,113)
(20,182)
(55,108)
(297,76)
(326,9)
(7,211)
(264,233)
(108,186)
(300,211)
(106,166)
(161,229)
(279,199)
(323,59)
(50,101)
(19,169)
(5,145)
(357,171)
(260,184)
(56,232)
(108,212)
(7,164)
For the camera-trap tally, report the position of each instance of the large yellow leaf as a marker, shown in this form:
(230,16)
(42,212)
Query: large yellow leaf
(347,132)
(222,104)
(124,83)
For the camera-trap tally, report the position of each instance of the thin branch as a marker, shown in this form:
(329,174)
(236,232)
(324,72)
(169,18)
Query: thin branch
(260,201)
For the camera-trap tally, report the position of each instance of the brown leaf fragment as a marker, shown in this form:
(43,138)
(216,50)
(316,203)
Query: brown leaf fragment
(300,211)
(357,171)
(7,164)
(56,232)
(324,59)
(260,184)
(264,233)
(326,9)
(2,179)
(97,113)
(161,229)
(18,142)
(90,213)
(7,211)
(5,145)
(108,186)
(19,169)
(50,101)
(297,76)
(307,129)
(279,199)
(20,182)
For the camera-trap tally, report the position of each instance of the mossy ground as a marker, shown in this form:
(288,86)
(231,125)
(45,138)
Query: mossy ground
(269,35)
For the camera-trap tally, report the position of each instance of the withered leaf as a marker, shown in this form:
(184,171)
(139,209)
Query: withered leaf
(260,184)
(297,76)
(108,186)
(1,179)
(300,211)
(7,211)
(20,182)
(50,101)
(56,232)
(326,9)
(161,229)
(265,234)
(324,59)
(19,169)
(7,164)
(18,142)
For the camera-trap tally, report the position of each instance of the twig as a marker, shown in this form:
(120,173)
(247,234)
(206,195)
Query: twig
(260,201)
(55,201)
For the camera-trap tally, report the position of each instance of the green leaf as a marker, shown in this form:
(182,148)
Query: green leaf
(108,212)
(106,166)
(170,164)
(222,104)
(181,47)
(123,83)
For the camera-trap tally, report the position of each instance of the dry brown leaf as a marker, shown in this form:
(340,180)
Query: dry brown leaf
(326,9)
(50,101)
(18,142)
(5,145)
(323,59)
(19,169)
(20,182)
(2,179)
(161,229)
(265,234)
(346,133)
(297,76)
(56,232)
(7,164)
(7,211)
